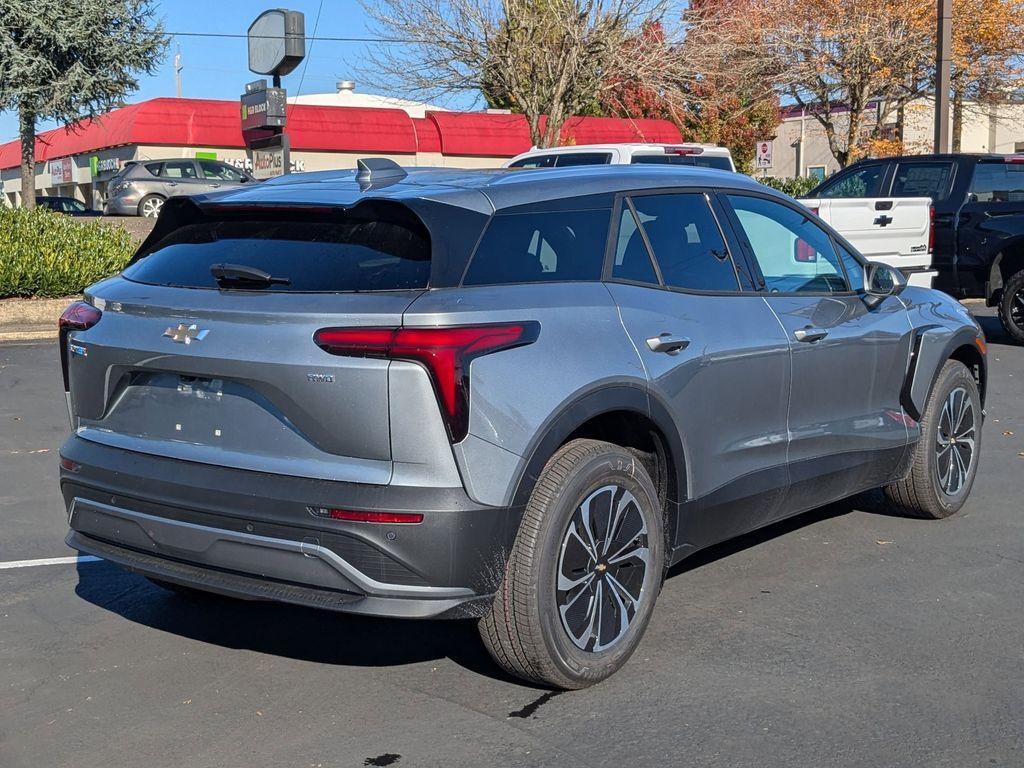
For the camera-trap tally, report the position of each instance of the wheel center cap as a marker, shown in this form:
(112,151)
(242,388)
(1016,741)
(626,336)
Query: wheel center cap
(601,568)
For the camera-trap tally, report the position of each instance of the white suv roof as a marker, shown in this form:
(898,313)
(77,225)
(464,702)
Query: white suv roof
(707,155)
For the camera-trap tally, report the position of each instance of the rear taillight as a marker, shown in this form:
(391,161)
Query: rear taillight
(931,229)
(815,210)
(79,316)
(389,518)
(445,352)
(677,150)
(1014,159)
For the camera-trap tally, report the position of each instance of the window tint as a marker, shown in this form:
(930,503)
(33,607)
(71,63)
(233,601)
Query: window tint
(632,260)
(687,243)
(220,171)
(540,247)
(922,180)
(862,182)
(537,161)
(71,205)
(701,161)
(568,159)
(372,248)
(998,183)
(153,168)
(178,169)
(854,269)
(794,253)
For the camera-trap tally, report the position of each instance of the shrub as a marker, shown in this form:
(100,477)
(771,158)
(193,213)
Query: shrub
(797,186)
(47,254)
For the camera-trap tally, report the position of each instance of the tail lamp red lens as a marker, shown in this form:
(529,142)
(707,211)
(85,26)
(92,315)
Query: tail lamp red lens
(446,353)
(931,229)
(391,518)
(79,316)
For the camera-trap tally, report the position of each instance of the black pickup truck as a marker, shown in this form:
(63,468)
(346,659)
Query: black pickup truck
(978,225)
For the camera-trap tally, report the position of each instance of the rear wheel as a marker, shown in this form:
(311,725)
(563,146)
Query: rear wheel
(1011,307)
(945,459)
(150,206)
(583,575)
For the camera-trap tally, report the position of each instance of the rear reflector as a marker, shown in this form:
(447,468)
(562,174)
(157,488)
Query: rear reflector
(79,316)
(69,465)
(396,518)
(445,352)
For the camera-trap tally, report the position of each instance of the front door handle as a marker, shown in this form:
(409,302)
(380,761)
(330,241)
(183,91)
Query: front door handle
(810,334)
(668,343)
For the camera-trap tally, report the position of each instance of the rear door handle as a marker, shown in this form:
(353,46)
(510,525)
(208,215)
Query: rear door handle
(668,343)
(810,334)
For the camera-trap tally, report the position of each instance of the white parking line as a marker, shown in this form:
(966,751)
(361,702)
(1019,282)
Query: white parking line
(49,561)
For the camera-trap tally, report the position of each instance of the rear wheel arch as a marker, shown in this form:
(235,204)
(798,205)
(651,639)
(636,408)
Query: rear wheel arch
(1007,263)
(626,416)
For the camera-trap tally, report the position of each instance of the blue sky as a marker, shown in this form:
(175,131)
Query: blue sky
(216,67)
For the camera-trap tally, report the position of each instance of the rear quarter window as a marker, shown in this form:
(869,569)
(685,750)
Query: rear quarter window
(372,248)
(539,247)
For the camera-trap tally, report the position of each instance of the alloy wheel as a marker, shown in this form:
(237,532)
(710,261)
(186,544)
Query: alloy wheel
(955,441)
(151,208)
(1017,309)
(602,566)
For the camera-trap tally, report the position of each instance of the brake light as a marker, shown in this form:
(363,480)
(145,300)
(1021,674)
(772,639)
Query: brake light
(931,229)
(446,353)
(677,150)
(391,518)
(1014,159)
(79,316)
(815,210)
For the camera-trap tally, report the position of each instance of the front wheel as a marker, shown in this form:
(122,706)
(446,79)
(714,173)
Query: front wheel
(1011,307)
(945,459)
(584,572)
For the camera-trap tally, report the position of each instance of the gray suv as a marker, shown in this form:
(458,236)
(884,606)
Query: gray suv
(141,188)
(512,396)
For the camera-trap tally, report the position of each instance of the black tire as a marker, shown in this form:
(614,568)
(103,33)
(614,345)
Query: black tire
(928,491)
(526,631)
(1011,307)
(150,206)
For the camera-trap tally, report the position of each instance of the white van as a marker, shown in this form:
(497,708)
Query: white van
(704,155)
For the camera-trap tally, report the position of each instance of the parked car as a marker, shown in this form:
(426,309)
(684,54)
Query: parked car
(979,220)
(896,230)
(142,187)
(497,395)
(68,205)
(701,155)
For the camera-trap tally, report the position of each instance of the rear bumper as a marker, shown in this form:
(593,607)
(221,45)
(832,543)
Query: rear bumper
(250,535)
(122,206)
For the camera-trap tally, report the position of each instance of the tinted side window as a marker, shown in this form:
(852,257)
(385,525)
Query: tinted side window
(863,182)
(687,243)
(794,253)
(582,158)
(922,180)
(998,183)
(537,161)
(154,168)
(632,260)
(540,247)
(854,269)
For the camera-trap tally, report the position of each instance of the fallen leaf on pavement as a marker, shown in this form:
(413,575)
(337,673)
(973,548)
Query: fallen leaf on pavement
(1007,433)
(883,541)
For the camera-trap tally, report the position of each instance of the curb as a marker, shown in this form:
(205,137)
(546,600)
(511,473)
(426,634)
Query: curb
(31,319)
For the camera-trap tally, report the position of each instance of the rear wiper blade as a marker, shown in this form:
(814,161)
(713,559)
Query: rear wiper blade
(240,274)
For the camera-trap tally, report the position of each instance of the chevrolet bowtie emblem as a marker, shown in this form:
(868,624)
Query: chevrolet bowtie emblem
(185,334)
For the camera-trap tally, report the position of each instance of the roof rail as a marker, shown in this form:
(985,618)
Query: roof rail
(375,169)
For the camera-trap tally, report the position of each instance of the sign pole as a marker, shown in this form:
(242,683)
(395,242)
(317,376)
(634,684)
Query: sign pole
(944,36)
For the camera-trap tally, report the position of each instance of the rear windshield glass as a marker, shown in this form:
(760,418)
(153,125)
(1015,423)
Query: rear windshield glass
(383,250)
(540,247)
(701,161)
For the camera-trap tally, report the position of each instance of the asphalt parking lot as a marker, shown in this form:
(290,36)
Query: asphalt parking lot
(845,637)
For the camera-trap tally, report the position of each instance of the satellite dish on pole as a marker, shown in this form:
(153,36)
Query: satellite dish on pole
(277,42)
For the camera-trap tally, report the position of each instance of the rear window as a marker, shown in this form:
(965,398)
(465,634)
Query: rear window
(383,249)
(922,179)
(540,247)
(701,161)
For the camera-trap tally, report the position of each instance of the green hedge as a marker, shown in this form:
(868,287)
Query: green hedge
(794,187)
(47,254)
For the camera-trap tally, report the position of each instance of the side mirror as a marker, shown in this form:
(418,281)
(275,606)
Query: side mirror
(880,281)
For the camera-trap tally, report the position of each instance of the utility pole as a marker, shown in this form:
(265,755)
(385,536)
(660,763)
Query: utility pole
(177,71)
(943,63)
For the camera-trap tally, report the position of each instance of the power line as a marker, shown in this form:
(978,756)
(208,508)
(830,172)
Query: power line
(312,40)
(314,37)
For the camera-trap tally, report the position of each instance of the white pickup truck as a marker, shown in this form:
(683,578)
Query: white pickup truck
(894,230)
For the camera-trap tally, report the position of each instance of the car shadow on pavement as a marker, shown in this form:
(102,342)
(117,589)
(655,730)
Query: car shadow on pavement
(305,634)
